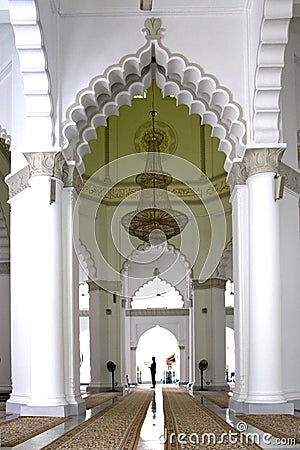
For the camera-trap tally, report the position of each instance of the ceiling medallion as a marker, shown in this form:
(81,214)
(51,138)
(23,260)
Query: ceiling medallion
(163,132)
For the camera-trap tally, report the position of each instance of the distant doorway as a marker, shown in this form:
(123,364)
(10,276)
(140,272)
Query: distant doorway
(162,344)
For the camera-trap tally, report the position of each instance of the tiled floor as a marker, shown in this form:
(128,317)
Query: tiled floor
(152,432)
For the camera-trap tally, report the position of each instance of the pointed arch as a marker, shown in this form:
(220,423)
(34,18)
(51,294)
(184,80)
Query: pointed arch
(188,82)
(157,293)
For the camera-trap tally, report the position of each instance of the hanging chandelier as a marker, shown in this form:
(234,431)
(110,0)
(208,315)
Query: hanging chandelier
(154,220)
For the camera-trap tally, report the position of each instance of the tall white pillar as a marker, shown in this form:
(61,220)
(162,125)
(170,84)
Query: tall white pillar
(71,292)
(218,333)
(5,345)
(100,377)
(37,302)
(265,390)
(240,247)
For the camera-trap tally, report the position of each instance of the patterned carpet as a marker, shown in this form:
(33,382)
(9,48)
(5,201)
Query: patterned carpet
(117,427)
(283,426)
(97,399)
(16,431)
(201,428)
(219,398)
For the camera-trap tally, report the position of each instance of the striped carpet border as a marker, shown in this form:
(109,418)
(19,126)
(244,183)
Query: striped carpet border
(16,431)
(282,426)
(188,416)
(116,427)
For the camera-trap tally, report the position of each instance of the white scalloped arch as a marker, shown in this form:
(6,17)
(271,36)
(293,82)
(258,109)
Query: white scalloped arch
(86,261)
(4,135)
(270,63)
(145,296)
(189,84)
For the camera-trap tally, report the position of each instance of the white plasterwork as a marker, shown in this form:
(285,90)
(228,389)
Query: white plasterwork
(270,62)
(196,89)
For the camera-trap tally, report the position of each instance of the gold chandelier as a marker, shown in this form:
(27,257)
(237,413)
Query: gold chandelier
(154,220)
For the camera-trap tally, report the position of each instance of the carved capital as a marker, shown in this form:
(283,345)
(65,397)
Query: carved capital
(291,178)
(210,284)
(237,175)
(260,160)
(71,177)
(18,182)
(45,163)
(153,28)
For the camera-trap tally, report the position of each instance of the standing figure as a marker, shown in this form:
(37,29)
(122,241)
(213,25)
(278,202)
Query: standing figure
(153,371)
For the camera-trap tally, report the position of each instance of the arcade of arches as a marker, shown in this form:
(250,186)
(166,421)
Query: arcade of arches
(74,129)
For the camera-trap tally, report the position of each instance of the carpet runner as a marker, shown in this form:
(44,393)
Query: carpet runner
(219,398)
(16,431)
(116,427)
(282,426)
(97,399)
(191,425)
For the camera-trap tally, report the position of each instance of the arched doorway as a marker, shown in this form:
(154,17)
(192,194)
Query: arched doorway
(162,344)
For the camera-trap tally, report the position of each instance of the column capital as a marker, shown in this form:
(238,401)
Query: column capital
(237,175)
(45,163)
(71,177)
(209,284)
(261,160)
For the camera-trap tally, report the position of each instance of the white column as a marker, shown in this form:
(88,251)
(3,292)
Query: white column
(265,392)
(71,300)
(100,377)
(239,200)
(191,355)
(183,378)
(37,301)
(132,374)
(218,333)
(202,329)
(5,345)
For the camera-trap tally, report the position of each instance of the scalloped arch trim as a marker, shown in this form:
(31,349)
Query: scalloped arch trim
(189,84)
(86,261)
(5,136)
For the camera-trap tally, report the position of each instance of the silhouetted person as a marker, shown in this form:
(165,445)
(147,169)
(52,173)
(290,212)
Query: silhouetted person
(153,371)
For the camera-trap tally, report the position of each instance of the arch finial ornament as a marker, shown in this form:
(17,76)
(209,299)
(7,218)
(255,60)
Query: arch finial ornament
(189,84)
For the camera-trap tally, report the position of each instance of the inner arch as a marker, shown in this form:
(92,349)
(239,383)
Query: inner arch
(162,344)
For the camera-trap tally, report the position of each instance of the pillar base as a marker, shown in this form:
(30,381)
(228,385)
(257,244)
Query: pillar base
(242,407)
(50,411)
(218,387)
(103,387)
(77,408)
(5,388)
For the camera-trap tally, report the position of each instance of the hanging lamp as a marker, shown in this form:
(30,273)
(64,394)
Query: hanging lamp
(154,220)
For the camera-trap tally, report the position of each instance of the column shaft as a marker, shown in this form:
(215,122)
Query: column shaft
(265,361)
(240,236)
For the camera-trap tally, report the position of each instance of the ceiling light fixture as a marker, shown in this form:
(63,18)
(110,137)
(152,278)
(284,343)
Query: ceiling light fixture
(154,220)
